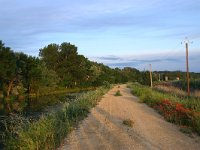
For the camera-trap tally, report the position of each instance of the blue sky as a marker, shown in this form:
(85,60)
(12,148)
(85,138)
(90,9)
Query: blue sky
(118,33)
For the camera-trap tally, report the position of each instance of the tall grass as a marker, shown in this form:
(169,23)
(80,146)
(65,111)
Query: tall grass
(179,87)
(50,130)
(149,95)
(174,108)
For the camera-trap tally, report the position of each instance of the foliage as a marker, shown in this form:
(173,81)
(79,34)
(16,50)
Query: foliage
(182,84)
(71,68)
(180,111)
(49,131)
(59,66)
(173,75)
(174,112)
(118,93)
(106,84)
(186,130)
(128,122)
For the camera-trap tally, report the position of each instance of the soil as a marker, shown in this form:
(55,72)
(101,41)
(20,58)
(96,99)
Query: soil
(103,129)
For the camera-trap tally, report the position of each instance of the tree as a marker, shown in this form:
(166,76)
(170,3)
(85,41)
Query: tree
(71,68)
(49,78)
(8,68)
(50,55)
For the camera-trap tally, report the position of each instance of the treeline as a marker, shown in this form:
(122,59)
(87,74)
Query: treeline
(173,75)
(58,67)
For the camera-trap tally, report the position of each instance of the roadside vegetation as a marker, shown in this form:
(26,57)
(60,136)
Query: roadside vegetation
(182,111)
(49,131)
(128,122)
(179,87)
(29,85)
(118,93)
(59,69)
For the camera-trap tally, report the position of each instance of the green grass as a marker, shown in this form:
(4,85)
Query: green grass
(194,84)
(58,91)
(128,122)
(150,96)
(118,93)
(154,98)
(49,131)
(186,130)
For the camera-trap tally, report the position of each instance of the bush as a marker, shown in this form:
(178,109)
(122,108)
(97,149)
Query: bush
(106,84)
(174,112)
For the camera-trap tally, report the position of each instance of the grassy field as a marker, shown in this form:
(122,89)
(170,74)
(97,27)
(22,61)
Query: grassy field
(49,131)
(194,84)
(179,87)
(179,110)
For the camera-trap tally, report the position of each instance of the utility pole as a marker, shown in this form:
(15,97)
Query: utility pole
(159,77)
(187,68)
(150,75)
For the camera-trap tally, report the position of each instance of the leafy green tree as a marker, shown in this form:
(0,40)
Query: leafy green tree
(8,68)
(95,71)
(49,78)
(50,55)
(132,74)
(8,73)
(72,69)
(30,71)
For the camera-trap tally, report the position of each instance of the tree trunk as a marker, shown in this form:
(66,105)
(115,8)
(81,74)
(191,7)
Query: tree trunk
(10,85)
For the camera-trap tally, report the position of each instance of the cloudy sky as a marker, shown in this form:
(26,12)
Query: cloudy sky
(118,33)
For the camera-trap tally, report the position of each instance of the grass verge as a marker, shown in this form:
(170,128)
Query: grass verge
(49,131)
(181,111)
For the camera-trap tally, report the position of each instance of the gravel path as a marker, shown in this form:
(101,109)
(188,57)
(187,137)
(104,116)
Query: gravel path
(103,128)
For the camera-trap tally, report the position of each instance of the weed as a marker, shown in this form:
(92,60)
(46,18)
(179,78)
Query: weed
(186,130)
(118,93)
(128,122)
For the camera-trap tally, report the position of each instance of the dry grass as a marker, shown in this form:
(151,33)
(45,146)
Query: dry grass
(170,89)
(196,93)
(175,90)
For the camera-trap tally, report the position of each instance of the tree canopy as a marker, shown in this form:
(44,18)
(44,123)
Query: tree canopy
(58,66)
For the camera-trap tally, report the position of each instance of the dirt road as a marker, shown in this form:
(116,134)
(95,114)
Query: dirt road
(103,128)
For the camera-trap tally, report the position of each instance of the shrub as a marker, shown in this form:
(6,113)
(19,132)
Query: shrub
(174,112)
(106,84)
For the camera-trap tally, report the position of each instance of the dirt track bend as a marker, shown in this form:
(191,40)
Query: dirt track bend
(103,128)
